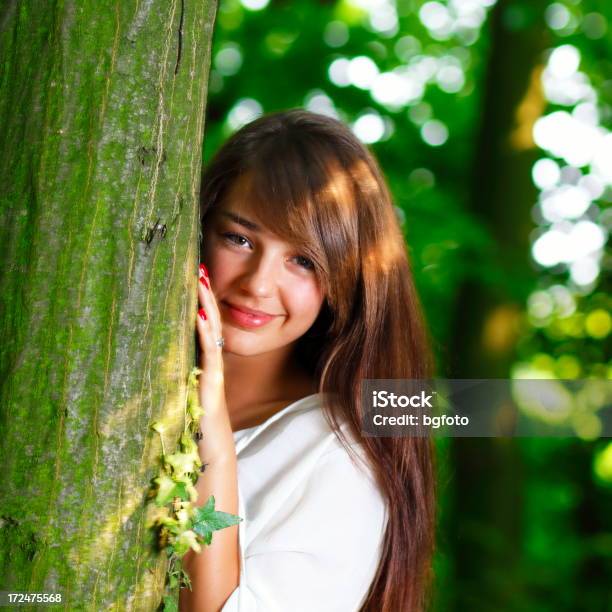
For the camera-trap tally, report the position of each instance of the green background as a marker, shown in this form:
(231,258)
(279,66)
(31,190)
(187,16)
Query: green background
(524,523)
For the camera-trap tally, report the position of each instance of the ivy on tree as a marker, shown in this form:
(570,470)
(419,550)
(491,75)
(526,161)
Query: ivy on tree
(179,524)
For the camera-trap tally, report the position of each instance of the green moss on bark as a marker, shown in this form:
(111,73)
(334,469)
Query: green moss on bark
(102,137)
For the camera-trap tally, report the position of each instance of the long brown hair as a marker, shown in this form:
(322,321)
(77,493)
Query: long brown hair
(322,189)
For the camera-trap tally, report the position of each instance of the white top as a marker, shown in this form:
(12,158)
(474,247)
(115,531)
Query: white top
(314,521)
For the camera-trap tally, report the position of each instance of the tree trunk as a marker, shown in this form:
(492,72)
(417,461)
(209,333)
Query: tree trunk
(488,483)
(102,108)
(487,320)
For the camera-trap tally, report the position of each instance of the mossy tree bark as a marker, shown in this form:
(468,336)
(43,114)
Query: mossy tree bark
(102,107)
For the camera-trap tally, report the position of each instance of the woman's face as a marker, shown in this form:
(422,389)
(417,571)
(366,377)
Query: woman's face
(267,291)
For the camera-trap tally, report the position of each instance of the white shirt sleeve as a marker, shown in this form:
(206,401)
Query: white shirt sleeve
(322,550)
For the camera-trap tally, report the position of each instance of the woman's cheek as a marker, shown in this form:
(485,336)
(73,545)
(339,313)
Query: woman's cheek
(307,298)
(221,262)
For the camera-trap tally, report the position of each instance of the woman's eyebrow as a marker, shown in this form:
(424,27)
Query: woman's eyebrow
(241,220)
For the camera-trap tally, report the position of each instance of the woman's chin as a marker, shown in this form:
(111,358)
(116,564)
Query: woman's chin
(236,344)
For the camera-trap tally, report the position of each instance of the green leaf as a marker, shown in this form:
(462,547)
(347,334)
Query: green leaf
(192,381)
(221,520)
(187,480)
(183,463)
(185,580)
(188,445)
(193,407)
(173,581)
(168,489)
(170,603)
(170,523)
(209,506)
(206,520)
(185,541)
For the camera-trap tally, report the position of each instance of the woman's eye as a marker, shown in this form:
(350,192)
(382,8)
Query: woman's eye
(304,262)
(236,239)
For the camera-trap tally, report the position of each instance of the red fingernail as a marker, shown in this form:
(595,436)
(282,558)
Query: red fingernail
(204,270)
(204,282)
(202,314)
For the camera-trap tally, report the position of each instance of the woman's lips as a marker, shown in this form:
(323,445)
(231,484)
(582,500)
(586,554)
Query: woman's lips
(245,317)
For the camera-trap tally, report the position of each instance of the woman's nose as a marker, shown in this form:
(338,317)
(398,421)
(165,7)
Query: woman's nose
(260,278)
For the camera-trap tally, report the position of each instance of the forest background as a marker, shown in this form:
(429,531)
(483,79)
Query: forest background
(490,120)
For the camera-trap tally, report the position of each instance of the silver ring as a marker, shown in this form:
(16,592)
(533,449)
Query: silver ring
(220,342)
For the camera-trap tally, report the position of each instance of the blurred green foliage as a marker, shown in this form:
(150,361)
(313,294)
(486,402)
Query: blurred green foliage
(524,524)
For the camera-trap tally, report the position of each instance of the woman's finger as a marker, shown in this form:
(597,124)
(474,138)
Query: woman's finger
(208,325)
(205,291)
(207,301)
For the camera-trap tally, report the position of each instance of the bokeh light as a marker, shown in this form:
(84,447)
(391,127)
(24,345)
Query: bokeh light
(369,127)
(228,59)
(434,133)
(255,5)
(244,111)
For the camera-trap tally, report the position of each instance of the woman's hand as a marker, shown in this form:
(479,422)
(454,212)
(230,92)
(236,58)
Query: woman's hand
(215,571)
(212,393)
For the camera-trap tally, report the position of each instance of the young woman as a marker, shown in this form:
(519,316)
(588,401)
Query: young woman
(305,291)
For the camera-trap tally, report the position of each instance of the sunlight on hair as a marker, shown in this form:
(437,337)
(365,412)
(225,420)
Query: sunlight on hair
(362,175)
(340,190)
(384,256)
(358,186)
